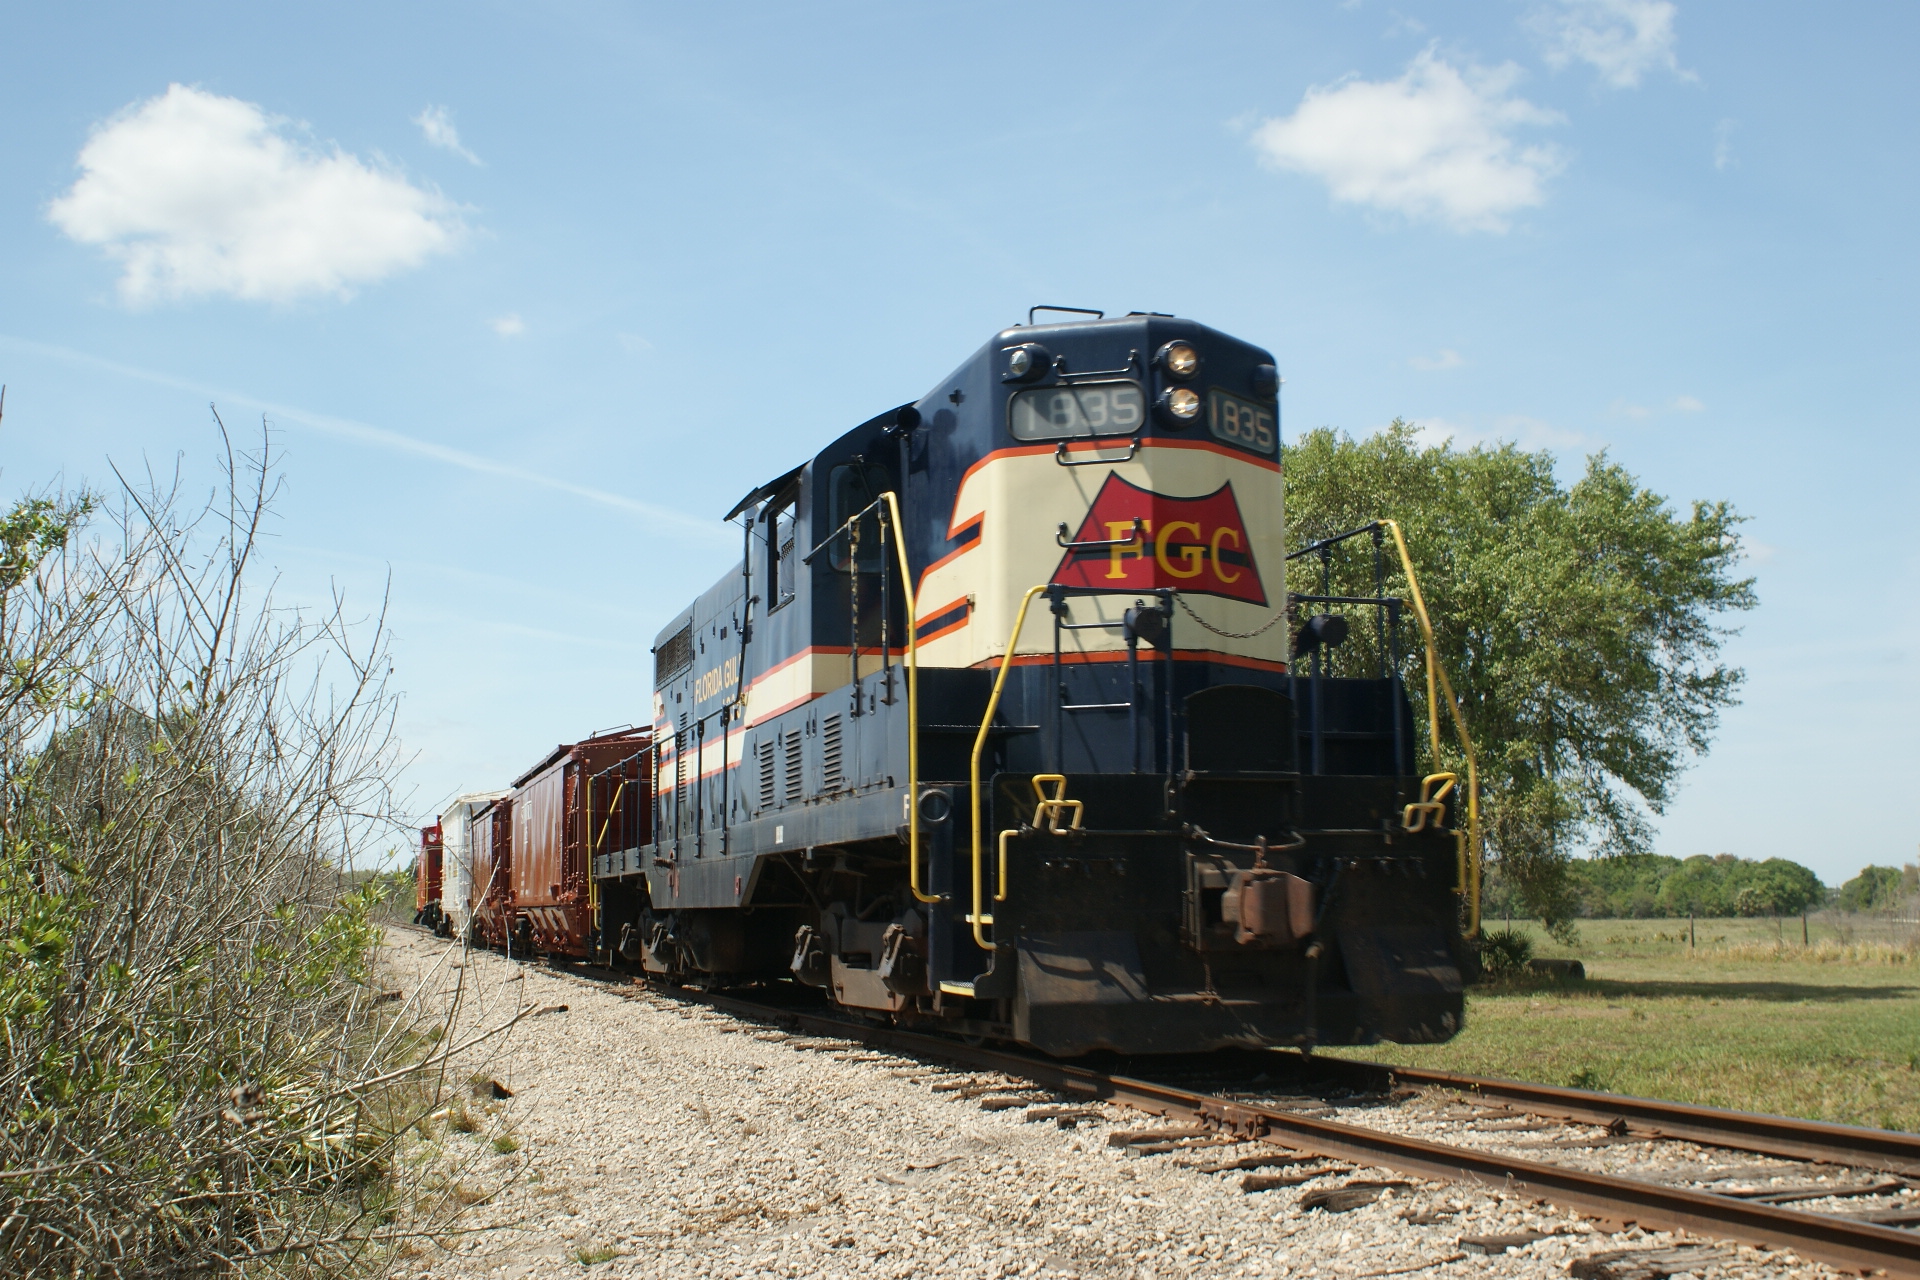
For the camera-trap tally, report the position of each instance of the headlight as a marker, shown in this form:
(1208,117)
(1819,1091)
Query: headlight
(1027,362)
(1181,403)
(1180,360)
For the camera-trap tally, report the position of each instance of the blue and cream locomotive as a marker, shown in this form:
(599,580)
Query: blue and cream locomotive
(999,727)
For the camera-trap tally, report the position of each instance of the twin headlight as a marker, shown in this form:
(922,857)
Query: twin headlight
(1179,360)
(1183,403)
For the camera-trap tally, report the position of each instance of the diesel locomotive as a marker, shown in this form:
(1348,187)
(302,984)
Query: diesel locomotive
(1008,723)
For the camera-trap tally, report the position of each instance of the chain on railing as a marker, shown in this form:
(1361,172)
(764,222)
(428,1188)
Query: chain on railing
(1279,616)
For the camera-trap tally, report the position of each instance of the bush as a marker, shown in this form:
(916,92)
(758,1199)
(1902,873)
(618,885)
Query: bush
(195,1076)
(1505,954)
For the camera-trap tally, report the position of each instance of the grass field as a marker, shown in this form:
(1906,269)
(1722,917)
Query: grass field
(1829,1031)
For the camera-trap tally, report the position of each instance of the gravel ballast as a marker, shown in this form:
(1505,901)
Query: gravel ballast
(644,1136)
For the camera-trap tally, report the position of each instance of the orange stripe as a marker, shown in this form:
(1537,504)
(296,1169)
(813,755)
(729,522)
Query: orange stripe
(951,604)
(783,708)
(954,554)
(823,650)
(1119,655)
(947,630)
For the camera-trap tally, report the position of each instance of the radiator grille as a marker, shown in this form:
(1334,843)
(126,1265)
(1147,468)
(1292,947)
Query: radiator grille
(673,656)
(832,767)
(765,751)
(795,784)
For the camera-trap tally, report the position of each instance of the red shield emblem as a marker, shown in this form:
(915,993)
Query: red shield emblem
(1188,544)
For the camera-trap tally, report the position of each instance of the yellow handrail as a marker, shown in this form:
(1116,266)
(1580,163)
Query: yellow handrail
(1469,842)
(913,704)
(980,919)
(1046,810)
(593,881)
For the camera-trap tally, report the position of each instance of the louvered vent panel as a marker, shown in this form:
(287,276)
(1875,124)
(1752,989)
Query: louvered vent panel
(765,752)
(682,744)
(831,763)
(795,784)
(673,657)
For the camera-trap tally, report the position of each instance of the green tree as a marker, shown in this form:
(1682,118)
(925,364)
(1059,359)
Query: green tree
(1698,887)
(1874,889)
(1581,626)
(1778,887)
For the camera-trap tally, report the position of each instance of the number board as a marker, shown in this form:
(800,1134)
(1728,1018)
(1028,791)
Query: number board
(1240,422)
(1091,409)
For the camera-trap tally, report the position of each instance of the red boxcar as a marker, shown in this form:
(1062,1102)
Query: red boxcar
(428,872)
(562,810)
(491,834)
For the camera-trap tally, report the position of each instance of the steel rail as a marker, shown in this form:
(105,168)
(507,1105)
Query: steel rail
(1866,1247)
(1837,1241)
(1813,1140)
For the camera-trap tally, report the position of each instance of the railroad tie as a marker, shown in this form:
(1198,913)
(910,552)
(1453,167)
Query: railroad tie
(1647,1264)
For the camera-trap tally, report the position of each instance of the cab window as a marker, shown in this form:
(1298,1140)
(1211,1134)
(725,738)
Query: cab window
(781,522)
(853,487)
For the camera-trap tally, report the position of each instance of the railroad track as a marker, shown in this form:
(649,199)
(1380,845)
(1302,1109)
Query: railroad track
(1809,1140)
(1849,1243)
(1841,1242)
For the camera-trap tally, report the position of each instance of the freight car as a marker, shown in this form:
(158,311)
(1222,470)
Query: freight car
(525,851)
(428,882)
(1000,725)
(455,824)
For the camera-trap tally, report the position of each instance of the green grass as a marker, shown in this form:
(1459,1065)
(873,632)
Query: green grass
(594,1255)
(1829,1032)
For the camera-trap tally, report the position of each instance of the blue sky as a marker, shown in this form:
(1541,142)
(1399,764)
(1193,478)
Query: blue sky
(532,293)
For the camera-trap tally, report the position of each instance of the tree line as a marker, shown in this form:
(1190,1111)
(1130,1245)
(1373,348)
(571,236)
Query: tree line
(1652,886)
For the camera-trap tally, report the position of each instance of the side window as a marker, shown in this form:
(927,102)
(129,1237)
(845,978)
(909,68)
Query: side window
(852,487)
(783,556)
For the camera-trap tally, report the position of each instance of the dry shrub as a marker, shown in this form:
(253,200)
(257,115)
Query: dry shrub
(1825,951)
(195,1075)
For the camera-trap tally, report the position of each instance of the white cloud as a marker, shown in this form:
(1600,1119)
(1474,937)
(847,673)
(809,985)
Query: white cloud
(194,193)
(632,343)
(1447,359)
(1516,428)
(1437,143)
(1640,413)
(509,325)
(1621,39)
(436,123)
(1723,145)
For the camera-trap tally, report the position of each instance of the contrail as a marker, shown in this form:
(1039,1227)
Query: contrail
(379,437)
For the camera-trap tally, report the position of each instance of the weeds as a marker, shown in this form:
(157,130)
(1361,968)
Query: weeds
(1826,951)
(1505,954)
(195,1075)
(594,1255)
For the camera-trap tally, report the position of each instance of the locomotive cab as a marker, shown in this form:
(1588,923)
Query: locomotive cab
(1114,791)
